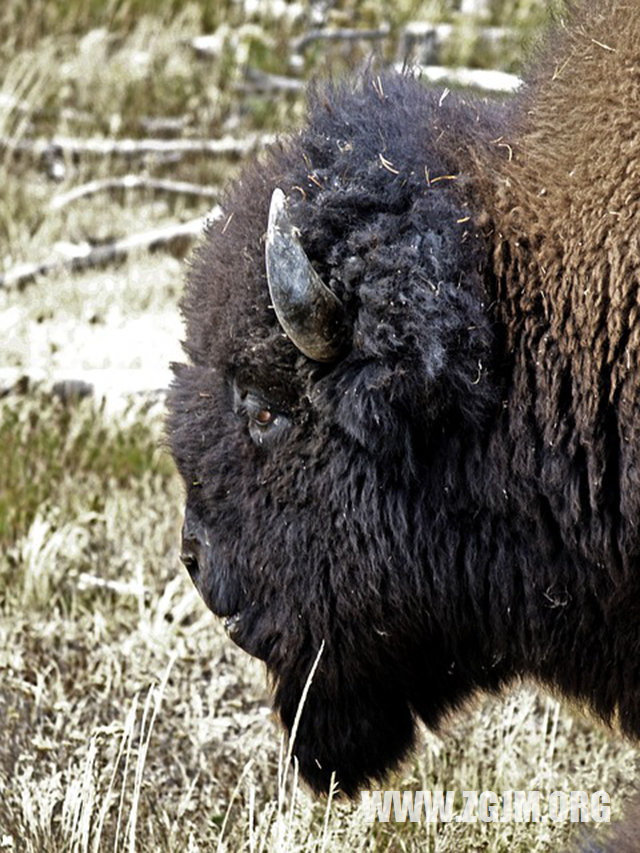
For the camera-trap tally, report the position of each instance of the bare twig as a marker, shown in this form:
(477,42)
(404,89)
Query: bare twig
(82,257)
(130,182)
(66,146)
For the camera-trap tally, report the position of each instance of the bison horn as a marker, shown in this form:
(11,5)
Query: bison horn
(310,314)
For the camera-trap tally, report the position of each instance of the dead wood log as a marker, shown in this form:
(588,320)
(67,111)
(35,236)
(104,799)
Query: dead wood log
(85,256)
(260,81)
(64,146)
(480,78)
(343,34)
(129,182)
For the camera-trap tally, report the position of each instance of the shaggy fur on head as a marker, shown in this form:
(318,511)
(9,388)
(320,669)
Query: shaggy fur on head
(455,501)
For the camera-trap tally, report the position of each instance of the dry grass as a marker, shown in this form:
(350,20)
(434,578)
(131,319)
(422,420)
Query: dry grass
(129,722)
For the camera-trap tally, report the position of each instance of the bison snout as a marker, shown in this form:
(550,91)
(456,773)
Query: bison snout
(191,558)
(220,592)
(193,552)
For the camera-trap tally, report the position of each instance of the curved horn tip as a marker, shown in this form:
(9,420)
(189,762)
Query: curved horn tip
(277,197)
(276,207)
(310,314)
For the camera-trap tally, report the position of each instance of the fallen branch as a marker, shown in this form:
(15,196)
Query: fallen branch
(490,81)
(60,146)
(424,42)
(260,81)
(345,34)
(130,182)
(82,257)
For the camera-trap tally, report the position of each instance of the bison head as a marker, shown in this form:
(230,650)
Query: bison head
(340,352)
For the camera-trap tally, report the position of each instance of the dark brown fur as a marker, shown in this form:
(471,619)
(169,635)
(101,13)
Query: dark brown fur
(455,501)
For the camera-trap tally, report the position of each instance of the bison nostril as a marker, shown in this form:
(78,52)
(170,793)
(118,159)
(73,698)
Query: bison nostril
(190,560)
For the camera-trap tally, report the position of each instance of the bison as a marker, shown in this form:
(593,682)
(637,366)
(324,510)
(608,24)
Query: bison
(409,425)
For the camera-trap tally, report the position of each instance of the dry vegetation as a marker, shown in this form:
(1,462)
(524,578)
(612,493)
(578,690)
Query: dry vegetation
(128,721)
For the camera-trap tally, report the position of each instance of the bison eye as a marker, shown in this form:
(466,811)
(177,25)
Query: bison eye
(265,425)
(264,417)
(264,422)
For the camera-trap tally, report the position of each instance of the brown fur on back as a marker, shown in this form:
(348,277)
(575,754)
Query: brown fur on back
(565,209)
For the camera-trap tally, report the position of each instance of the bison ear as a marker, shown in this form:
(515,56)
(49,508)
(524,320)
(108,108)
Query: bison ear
(310,314)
